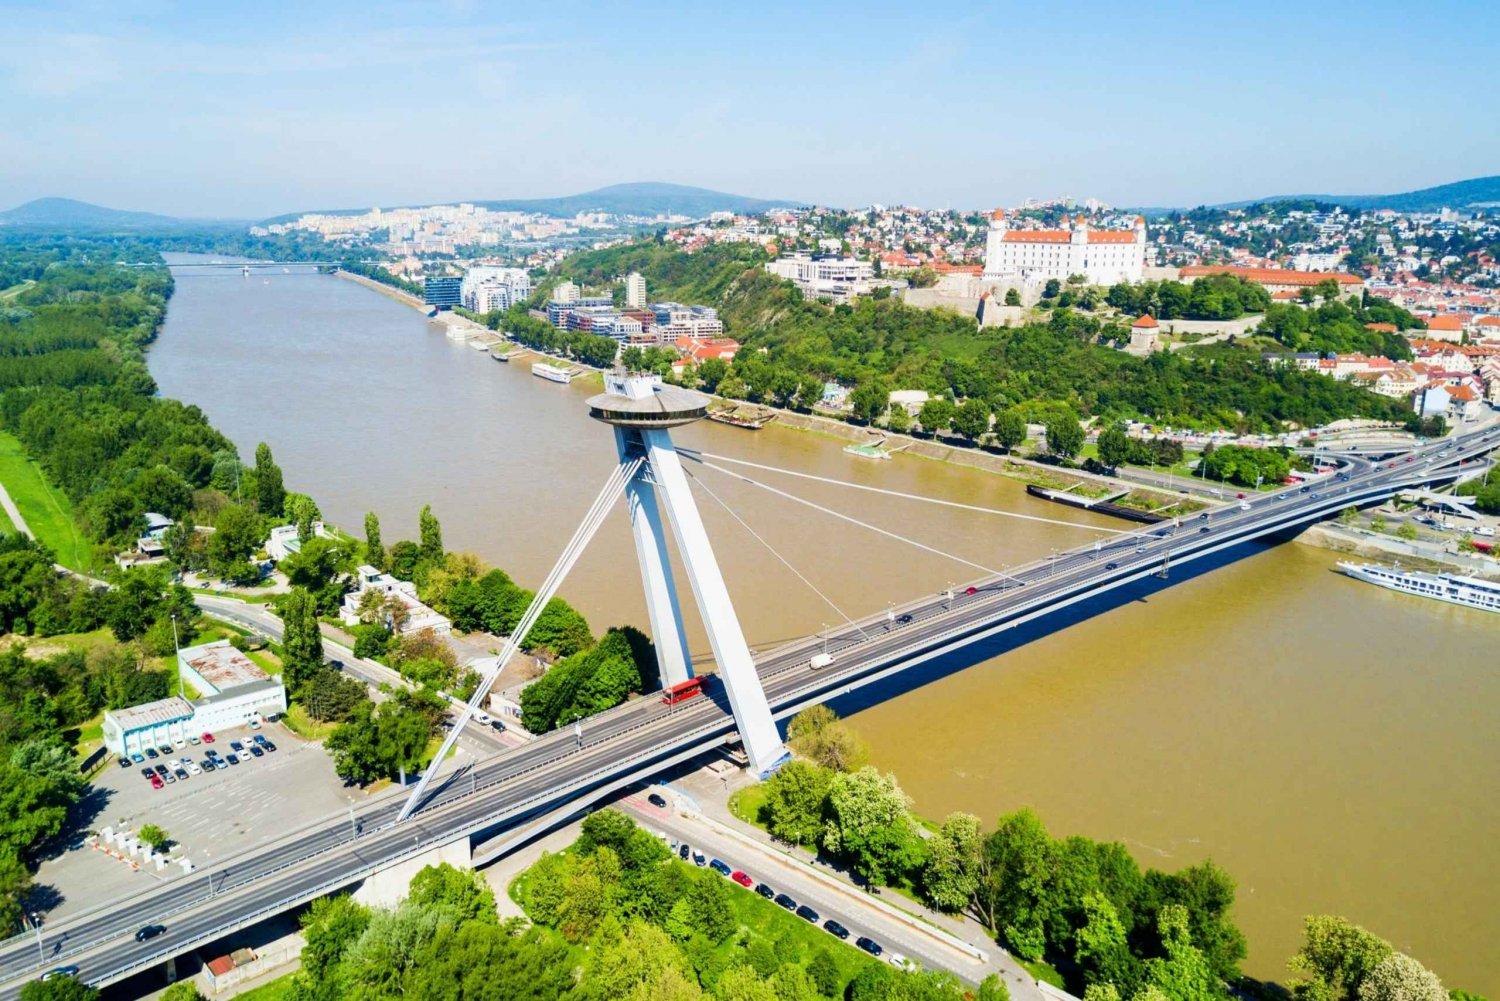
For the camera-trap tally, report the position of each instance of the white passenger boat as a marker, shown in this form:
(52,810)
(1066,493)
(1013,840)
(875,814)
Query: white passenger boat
(1471,592)
(552,373)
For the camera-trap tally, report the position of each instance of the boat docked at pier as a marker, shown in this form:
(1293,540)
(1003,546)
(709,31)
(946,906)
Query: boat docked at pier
(552,373)
(1471,592)
(735,418)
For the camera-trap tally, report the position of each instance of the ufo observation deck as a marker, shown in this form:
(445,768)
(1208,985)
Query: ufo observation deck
(645,402)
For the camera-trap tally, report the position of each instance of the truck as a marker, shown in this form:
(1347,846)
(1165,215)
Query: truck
(821,660)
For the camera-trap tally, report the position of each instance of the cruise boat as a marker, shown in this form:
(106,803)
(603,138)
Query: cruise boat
(552,373)
(1471,592)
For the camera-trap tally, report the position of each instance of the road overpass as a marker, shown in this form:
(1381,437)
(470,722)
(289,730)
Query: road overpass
(559,773)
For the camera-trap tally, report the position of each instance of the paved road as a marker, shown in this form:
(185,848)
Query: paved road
(14,513)
(632,741)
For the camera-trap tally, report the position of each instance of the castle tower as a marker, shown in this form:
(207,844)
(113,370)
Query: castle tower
(642,412)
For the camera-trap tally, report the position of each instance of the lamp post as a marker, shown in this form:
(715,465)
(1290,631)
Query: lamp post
(36,922)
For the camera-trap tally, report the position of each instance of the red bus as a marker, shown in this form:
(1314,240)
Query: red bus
(682,690)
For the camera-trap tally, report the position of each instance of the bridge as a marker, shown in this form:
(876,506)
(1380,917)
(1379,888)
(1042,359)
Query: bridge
(490,802)
(235,266)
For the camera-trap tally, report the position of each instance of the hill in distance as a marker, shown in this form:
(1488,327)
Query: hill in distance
(68,213)
(1460,194)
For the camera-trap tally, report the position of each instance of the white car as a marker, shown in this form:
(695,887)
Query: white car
(193,767)
(483,718)
(900,962)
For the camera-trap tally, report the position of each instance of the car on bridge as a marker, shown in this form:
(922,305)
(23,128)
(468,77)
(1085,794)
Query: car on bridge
(149,932)
(61,971)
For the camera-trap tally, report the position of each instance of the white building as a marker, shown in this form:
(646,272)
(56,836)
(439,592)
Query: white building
(418,615)
(825,275)
(232,691)
(565,291)
(635,290)
(487,287)
(283,540)
(1102,256)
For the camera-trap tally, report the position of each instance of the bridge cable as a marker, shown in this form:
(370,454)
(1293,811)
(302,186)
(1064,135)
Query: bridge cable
(690,454)
(614,486)
(852,520)
(784,562)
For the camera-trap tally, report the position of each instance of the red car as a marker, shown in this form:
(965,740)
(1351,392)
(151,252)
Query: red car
(971,590)
(156,782)
(208,738)
(740,878)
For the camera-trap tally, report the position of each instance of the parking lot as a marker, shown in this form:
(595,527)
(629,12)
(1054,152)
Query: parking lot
(209,815)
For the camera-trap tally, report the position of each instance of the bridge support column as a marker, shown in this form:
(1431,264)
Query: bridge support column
(656,567)
(752,713)
(388,887)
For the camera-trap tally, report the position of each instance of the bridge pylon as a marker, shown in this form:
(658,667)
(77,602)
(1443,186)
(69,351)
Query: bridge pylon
(642,412)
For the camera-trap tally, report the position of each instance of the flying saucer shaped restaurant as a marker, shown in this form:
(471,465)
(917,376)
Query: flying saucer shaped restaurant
(643,401)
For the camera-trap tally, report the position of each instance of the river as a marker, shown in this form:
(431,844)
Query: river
(1331,744)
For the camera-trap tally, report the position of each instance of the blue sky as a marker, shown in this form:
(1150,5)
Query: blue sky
(252,109)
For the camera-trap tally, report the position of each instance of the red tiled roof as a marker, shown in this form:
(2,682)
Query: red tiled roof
(219,967)
(1381,328)
(1066,236)
(1271,276)
(1444,323)
(1146,322)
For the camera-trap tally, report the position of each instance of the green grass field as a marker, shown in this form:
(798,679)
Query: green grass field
(10,293)
(274,990)
(47,512)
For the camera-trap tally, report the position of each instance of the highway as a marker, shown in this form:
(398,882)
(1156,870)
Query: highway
(629,743)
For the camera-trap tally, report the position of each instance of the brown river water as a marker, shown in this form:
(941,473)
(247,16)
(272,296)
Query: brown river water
(1333,745)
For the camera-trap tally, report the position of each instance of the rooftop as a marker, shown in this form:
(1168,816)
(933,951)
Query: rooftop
(150,714)
(220,665)
(643,401)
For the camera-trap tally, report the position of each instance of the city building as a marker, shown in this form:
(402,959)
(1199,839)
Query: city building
(487,287)
(442,292)
(565,292)
(231,692)
(418,616)
(674,321)
(1101,256)
(635,289)
(284,541)
(1279,280)
(825,276)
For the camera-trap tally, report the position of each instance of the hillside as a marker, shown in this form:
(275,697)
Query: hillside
(68,213)
(1459,194)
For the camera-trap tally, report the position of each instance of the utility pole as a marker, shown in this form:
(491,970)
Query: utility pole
(36,922)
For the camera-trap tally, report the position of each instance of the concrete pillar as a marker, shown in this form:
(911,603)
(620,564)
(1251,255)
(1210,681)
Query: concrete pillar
(389,886)
(752,713)
(665,613)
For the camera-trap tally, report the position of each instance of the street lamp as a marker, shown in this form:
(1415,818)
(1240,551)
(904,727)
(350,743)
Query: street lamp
(36,922)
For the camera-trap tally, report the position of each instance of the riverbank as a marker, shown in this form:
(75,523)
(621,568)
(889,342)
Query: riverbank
(1355,541)
(405,298)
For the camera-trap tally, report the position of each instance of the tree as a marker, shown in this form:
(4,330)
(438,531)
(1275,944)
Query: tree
(1012,297)
(430,537)
(869,401)
(1051,289)
(183,990)
(270,493)
(374,550)
(816,733)
(713,909)
(301,638)
(1183,974)
(462,892)
(870,826)
(329,696)
(951,876)
(1064,437)
(992,988)
(796,797)
(824,973)
(560,628)
(1114,447)
(1010,429)
(935,414)
(1339,954)
(153,837)
(1101,949)
(899,420)
(1398,977)
(58,989)
(972,419)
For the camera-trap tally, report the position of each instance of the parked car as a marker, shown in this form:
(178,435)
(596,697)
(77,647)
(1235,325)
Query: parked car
(235,745)
(256,752)
(718,867)
(147,772)
(156,782)
(869,945)
(151,753)
(208,738)
(193,768)
(260,739)
(149,931)
(168,778)
(834,928)
(700,859)
(655,799)
(161,770)
(765,891)
(233,759)
(741,878)
(208,764)
(807,914)
(900,962)
(137,758)
(194,741)
(182,773)
(267,746)
(782,900)
(682,852)
(124,762)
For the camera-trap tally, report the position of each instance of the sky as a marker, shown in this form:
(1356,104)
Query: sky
(247,110)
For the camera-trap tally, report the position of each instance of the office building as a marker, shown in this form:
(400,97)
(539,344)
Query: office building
(442,292)
(635,289)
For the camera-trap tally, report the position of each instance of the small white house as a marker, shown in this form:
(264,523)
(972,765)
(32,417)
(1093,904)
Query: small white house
(418,615)
(284,541)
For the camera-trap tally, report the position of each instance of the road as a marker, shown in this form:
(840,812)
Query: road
(631,742)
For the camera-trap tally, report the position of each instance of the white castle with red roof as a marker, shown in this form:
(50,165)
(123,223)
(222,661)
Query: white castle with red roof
(1103,256)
